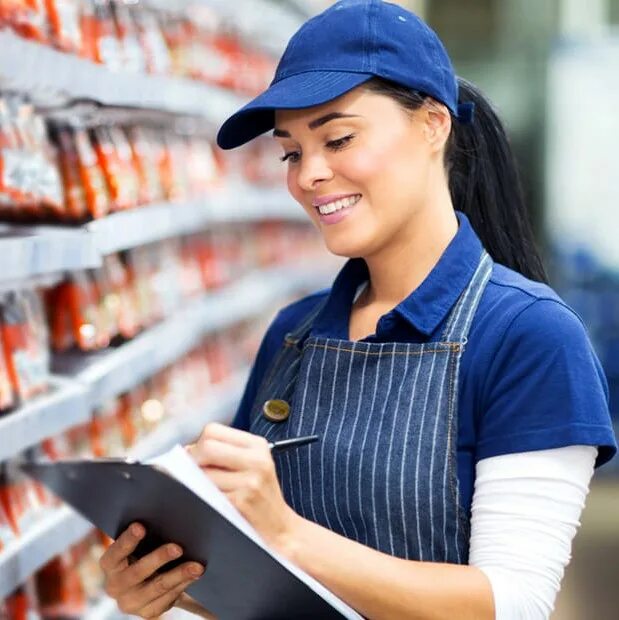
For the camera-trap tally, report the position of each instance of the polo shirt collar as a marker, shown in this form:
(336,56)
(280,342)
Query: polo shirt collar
(427,306)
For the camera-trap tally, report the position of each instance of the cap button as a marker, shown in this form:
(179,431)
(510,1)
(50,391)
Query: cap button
(276,410)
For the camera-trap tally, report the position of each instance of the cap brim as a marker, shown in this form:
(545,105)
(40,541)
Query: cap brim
(303,90)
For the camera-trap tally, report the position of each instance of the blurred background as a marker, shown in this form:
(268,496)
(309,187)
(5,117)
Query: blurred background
(141,265)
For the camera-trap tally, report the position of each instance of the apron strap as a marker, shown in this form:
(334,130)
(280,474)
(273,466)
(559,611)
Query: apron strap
(302,330)
(461,316)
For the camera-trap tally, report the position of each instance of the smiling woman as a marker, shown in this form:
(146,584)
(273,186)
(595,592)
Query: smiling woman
(460,406)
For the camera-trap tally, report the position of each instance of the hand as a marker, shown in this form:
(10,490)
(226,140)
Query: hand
(241,466)
(135,587)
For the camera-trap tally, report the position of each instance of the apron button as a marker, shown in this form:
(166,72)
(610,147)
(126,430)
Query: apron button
(276,410)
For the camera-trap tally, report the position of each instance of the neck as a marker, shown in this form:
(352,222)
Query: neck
(397,270)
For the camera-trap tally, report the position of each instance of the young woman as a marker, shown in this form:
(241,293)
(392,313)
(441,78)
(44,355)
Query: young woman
(460,407)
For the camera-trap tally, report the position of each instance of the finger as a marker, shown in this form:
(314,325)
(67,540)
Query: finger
(215,453)
(116,556)
(165,601)
(147,566)
(227,434)
(226,481)
(166,582)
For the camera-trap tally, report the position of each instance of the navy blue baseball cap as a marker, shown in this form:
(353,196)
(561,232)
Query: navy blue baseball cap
(341,48)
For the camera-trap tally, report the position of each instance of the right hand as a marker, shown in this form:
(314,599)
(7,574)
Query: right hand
(133,586)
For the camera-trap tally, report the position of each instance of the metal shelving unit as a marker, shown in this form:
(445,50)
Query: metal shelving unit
(49,75)
(63,527)
(32,254)
(40,255)
(47,415)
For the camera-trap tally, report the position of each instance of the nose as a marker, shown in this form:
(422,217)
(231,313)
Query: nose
(313,170)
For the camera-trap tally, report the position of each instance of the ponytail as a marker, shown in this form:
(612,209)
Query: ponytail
(485,185)
(483,179)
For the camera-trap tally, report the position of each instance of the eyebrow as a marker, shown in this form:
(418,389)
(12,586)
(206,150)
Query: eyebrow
(318,122)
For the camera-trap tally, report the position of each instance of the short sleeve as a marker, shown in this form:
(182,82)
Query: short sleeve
(266,351)
(545,387)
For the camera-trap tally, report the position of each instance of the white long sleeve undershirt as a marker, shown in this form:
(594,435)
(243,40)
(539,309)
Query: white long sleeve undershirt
(525,512)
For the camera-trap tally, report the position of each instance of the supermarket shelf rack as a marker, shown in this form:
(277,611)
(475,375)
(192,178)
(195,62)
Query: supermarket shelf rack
(29,254)
(84,382)
(113,372)
(66,405)
(128,229)
(64,527)
(47,74)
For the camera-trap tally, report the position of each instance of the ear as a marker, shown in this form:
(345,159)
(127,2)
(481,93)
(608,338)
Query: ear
(436,125)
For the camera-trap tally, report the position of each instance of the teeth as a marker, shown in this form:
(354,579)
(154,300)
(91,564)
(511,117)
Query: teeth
(332,207)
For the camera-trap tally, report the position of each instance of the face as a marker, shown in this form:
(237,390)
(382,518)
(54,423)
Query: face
(362,167)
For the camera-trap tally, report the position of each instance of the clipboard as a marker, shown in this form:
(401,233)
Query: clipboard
(243,580)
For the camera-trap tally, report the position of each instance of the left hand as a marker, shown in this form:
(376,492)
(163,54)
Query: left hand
(242,467)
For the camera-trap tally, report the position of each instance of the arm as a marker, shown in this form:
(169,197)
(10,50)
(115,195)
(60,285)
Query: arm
(380,586)
(525,513)
(375,584)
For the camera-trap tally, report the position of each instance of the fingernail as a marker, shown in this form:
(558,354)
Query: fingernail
(196,570)
(137,530)
(174,551)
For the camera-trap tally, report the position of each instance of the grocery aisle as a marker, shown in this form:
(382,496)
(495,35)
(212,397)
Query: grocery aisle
(140,265)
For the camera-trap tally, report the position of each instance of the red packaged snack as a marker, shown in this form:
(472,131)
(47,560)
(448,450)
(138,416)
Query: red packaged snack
(128,180)
(26,17)
(122,298)
(90,329)
(156,51)
(60,591)
(8,529)
(24,343)
(23,603)
(8,398)
(19,498)
(93,180)
(128,36)
(145,165)
(64,22)
(102,37)
(76,206)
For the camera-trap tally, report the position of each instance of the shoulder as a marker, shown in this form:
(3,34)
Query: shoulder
(514,308)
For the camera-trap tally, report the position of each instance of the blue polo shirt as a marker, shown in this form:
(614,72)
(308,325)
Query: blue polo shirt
(529,378)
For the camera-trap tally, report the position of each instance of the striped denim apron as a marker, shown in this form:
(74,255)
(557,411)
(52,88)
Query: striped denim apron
(384,470)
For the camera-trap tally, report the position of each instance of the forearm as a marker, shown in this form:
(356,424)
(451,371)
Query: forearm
(378,585)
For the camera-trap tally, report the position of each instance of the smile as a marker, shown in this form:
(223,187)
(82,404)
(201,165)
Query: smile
(336,205)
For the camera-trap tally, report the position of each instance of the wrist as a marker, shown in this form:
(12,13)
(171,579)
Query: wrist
(288,542)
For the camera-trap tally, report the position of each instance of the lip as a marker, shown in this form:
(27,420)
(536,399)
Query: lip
(323,200)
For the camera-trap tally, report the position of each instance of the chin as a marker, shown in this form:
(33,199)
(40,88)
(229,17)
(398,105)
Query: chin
(347,246)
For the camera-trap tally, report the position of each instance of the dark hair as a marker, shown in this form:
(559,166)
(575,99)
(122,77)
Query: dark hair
(483,178)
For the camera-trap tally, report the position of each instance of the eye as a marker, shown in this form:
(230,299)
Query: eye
(340,143)
(292,157)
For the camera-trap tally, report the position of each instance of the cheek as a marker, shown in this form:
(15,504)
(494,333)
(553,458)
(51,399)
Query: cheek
(297,193)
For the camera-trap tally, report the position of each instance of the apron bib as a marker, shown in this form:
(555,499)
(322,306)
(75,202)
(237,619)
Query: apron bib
(384,470)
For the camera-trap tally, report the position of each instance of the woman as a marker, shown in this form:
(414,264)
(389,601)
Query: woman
(460,407)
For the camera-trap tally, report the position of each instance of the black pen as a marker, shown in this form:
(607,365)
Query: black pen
(284,444)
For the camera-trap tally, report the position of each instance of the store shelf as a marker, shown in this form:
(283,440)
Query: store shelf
(128,229)
(111,372)
(45,416)
(218,406)
(32,252)
(63,527)
(45,539)
(53,77)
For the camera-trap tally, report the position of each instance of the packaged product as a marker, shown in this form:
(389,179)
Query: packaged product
(25,341)
(93,180)
(64,24)
(59,588)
